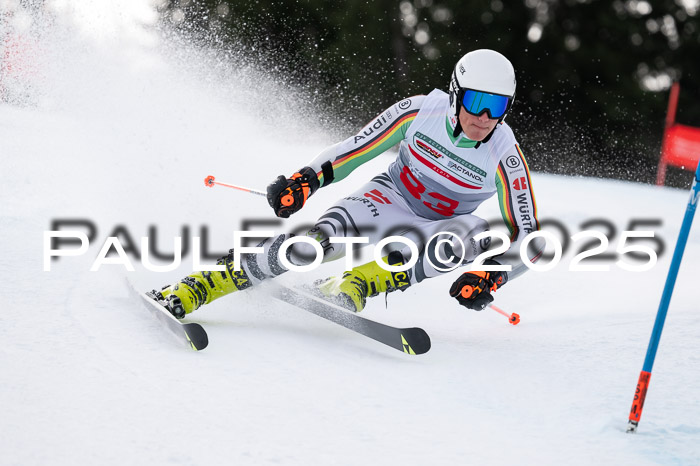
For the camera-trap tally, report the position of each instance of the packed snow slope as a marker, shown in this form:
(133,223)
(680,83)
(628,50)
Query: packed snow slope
(123,136)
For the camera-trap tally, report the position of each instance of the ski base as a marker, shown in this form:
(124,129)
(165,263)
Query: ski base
(191,333)
(412,340)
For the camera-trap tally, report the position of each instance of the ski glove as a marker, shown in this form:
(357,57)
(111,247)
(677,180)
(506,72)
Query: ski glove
(473,289)
(288,195)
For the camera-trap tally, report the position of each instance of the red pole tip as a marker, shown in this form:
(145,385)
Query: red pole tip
(209,181)
(514,319)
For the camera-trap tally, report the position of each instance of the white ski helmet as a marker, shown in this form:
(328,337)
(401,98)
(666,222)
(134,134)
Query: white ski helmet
(482,70)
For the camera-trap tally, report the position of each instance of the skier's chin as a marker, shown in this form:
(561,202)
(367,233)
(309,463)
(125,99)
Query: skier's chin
(476,133)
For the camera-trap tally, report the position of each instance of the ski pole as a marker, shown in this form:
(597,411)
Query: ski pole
(469,290)
(287,199)
(512,318)
(209,181)
(643,382)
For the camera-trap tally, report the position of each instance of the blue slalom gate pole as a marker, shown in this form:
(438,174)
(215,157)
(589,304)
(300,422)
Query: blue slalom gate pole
(643,383)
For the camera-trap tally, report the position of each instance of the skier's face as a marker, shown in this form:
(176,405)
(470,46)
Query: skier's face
(476,128)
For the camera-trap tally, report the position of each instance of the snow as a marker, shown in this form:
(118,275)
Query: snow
(124,136)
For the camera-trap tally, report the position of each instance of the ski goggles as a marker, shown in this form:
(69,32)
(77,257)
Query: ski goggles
(477,102)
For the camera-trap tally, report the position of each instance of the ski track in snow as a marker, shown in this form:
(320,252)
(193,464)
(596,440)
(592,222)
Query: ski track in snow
(89,377)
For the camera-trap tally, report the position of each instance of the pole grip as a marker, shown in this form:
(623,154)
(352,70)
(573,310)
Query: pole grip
(467,291)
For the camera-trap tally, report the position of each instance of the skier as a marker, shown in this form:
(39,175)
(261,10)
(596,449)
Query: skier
(455,152)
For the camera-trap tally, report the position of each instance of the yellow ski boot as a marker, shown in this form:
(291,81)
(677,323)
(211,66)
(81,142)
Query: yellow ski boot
(352,289)
(200,288)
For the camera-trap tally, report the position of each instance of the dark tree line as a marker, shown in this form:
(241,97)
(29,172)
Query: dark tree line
(593,75)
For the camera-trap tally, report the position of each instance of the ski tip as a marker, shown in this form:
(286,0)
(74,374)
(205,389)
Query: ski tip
(196,336)
(415,341)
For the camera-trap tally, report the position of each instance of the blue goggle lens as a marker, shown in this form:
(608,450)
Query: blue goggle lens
(476,102)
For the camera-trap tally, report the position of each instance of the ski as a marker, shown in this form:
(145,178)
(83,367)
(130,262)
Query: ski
(409,340)
(190,332)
